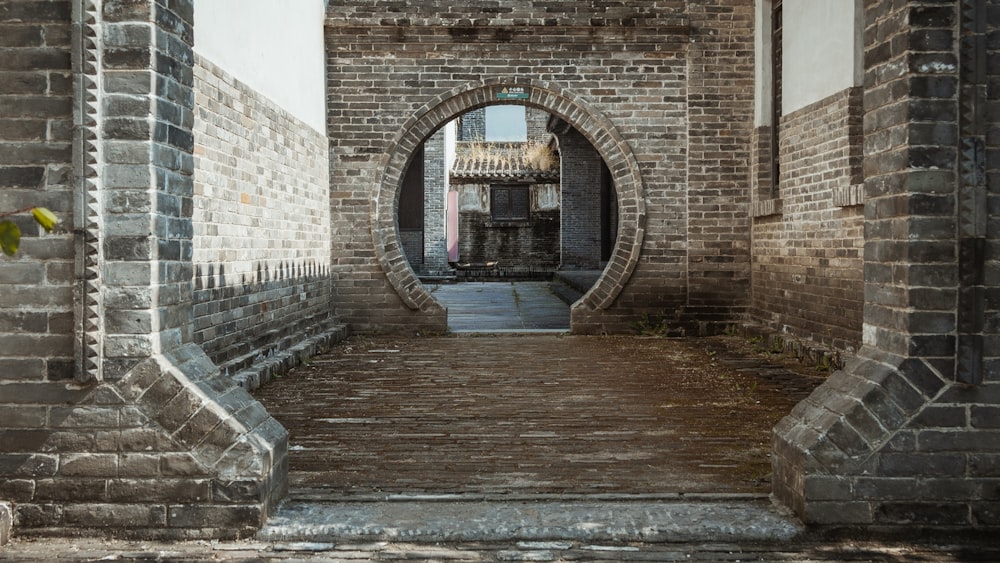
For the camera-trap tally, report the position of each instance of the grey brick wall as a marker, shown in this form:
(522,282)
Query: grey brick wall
(261,223)
(715,192)
(151,441)
(807,268)
(906,434)
(418,74)
(36,139)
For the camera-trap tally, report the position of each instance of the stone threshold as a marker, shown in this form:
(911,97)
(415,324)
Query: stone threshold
(570,519)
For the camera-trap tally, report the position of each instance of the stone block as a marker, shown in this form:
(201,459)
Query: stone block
(133,465)
(6,523)
(71,490)
(88,465)
(986,417)
(17,490)
(112,516)
(986,513)
(236,517)
(827,488)
(159,490)
(856,512)
(128,346)
(84,417)
(984,465)
(181,464)
(921,513)
(238,492)
(37,515)
(27,465)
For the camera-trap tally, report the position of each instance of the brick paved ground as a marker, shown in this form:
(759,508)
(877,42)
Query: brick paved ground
(534,414)
(500,416)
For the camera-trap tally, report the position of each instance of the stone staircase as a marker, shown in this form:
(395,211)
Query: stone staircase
(571,285)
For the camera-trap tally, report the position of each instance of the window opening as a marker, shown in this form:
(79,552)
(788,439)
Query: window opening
(509,203)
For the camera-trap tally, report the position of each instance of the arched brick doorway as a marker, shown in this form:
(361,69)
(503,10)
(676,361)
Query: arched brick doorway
(544,95)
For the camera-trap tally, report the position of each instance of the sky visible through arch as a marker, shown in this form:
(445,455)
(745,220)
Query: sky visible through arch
(506,123)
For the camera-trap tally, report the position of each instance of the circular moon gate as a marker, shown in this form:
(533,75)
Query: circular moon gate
(596,128)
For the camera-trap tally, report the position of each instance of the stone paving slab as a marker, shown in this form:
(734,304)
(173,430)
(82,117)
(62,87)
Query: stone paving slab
(502,307)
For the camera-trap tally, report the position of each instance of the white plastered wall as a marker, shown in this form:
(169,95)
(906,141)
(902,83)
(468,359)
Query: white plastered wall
(274,47)
(822,48)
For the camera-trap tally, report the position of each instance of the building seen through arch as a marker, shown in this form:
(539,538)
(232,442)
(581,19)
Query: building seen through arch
(506,188)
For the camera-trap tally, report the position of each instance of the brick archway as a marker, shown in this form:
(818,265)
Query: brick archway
(544,95)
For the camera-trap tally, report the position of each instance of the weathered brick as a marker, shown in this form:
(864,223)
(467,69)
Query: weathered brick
(222,516)
(115,516)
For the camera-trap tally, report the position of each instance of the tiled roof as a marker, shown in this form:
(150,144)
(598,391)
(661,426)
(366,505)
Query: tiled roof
(490,162)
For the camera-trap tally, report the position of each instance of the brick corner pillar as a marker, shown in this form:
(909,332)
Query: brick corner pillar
(908,433)
(236,450)
(580,205)
(143,437)
(435,190)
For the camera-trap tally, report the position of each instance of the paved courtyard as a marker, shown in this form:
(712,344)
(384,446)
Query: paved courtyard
(502,307)
(538,447)
(529,447)
(530,415)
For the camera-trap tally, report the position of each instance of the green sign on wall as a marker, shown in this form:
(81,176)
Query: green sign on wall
(513,93)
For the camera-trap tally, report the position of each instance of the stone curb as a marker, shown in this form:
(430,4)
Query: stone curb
(580,521)
(261,373)
(6,523)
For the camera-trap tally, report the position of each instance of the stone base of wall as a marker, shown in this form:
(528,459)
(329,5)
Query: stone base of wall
(887,443)
(807,352)
(6,523)
(173,450)
(289,352)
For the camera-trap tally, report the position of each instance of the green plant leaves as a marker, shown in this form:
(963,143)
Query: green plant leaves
(10,237)
(10,234)
(45,218)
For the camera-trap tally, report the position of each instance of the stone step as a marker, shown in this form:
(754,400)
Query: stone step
(6,522)
(575,519)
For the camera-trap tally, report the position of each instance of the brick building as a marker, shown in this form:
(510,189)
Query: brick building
(508,200)
(827,173)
